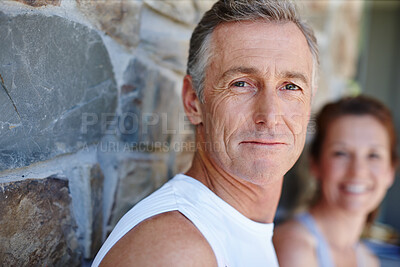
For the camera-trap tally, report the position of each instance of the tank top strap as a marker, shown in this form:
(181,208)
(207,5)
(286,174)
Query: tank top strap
(323,253)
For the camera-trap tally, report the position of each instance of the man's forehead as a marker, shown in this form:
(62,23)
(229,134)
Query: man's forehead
(241,29)
(247,40)
(260,34)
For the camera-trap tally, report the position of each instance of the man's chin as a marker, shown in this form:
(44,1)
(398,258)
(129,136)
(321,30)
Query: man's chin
(261,176)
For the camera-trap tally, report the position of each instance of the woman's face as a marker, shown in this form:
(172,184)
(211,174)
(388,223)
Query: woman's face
(355,169)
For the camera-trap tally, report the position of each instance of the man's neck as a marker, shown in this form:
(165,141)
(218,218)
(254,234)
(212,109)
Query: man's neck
(256,202)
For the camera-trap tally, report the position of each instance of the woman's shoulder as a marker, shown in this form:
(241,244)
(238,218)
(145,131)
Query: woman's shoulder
(294,232)
(368,257)
(294,244)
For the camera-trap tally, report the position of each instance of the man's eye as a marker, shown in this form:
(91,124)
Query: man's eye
(240,84)
(243,87)
(291,86)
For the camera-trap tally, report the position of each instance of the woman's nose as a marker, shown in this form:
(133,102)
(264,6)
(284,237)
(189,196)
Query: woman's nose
(358,167)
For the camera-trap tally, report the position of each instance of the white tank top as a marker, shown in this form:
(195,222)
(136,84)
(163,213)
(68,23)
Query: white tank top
(235,239)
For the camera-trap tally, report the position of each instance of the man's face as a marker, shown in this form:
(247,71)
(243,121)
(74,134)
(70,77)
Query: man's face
(257,99)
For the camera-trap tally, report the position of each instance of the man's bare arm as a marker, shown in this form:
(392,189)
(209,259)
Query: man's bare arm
(168,239)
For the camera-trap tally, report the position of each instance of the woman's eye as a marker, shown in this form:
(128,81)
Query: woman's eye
(339,153)
(291,86)
(374,156)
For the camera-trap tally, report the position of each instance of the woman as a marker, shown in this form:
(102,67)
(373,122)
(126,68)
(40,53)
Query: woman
(353,157)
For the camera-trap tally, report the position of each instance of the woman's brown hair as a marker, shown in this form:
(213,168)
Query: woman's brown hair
(358,106)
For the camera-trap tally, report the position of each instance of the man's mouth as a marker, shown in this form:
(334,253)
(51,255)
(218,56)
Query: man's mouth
(263,142)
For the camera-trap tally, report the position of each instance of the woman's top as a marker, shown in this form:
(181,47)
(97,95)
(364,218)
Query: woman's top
(324,256)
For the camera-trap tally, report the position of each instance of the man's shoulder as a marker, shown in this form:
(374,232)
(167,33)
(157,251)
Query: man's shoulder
(165,239)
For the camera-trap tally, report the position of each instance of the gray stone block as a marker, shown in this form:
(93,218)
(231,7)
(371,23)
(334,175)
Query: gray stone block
(150,107)
(96,185)
(56,80)
(164,40)
(86,183)
(119,19)
(181,11)
(137,178)
(36,224)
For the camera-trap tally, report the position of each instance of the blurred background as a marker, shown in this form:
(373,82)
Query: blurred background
(91,119)
(360,53)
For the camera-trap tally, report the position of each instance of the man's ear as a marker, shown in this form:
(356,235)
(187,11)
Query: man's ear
(191,102)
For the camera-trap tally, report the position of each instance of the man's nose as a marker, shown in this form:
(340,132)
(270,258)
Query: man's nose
(267,111)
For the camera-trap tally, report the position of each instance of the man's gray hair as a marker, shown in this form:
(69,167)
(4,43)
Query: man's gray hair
(241,10)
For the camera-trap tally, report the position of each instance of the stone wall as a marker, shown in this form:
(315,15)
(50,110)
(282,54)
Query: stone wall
(91,119)
(337,25)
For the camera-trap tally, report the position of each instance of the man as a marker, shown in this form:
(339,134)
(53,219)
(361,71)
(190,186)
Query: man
(251,76)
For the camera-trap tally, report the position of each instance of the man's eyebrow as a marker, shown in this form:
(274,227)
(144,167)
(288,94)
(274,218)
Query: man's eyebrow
(238,70)
(293,75)
(250,70)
